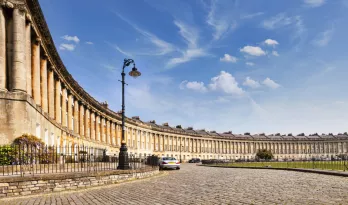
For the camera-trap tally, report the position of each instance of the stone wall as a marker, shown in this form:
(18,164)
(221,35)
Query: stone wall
(16,186)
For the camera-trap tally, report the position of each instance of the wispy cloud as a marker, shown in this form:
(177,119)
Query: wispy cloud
(162,47)
(122,51)
(187,55)
(71,38)
(219,21)
(250,16)
(282,20)
(89,43)
(68,47)
(323,38)
(109,67)
(249,63)
(228,58)
(275,53)
(314,3)
(193,50)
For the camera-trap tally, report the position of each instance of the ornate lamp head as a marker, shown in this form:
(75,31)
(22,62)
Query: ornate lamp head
(134,73)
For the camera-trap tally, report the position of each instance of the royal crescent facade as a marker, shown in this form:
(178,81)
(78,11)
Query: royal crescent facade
(40,97)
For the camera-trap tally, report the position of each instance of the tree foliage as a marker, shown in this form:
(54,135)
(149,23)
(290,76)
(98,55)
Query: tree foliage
(264,154)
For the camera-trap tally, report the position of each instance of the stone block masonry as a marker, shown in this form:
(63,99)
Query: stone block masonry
(19,186)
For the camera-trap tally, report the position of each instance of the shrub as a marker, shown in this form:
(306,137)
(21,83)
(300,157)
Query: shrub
(264,154)
(28,139)
(6,154)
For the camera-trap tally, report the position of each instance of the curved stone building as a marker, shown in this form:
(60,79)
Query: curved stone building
(39,96)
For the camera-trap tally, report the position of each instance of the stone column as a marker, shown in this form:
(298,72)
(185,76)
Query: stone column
(93,125)
(28,55)
(97,128)
(3,80)
(58,112)
(118,134)
(81,121)
(70,107)
(102,129)
(51,93)
(108,141)
(35,65)
(87,131)
(76,117)
(43,69)
(19,72)
(64,111)
(113,133)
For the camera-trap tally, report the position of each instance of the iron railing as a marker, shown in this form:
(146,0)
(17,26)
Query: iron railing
(28,159)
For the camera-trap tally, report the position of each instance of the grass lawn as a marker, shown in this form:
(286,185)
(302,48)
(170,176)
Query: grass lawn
(324,165)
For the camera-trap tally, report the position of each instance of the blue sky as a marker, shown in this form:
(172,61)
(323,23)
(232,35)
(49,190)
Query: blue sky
(243,66)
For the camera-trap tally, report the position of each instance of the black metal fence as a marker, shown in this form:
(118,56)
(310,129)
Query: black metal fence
(29,159)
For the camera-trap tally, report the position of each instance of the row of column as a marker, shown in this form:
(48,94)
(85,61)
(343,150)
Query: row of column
(171,143)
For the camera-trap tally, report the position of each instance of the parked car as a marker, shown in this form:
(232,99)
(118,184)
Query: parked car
(168,163)
(195,160)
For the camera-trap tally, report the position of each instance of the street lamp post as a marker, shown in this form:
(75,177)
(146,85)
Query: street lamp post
(123,161)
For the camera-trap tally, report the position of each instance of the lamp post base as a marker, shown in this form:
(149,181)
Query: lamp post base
(123,161)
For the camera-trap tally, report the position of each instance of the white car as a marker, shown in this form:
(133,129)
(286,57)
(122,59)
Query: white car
(168,163)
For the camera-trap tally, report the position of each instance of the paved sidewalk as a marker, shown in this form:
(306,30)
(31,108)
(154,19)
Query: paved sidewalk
(209,185)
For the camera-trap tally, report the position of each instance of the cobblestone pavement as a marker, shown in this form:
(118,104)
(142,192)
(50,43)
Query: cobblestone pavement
(206,185)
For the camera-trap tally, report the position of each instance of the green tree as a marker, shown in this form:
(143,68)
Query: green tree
(264,154)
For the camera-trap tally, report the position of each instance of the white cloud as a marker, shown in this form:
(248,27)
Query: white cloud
(314,3)
(270,83)
(89,43)
(275,53)
(71,38)
(226,83)
(323,38)
(69,47)
(197,86)
(251,83)
(253,50)
(194,85)
(228,58)
(250,63)
(250,16)
(271,42)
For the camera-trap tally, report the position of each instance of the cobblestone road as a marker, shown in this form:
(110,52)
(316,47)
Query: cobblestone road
(205,185)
